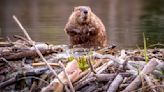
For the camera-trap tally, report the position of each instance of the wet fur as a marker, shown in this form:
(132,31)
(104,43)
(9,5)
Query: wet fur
(85,31)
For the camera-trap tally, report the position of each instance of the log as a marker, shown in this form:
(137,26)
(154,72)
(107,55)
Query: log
(115,84)
(28,54)
(137,81)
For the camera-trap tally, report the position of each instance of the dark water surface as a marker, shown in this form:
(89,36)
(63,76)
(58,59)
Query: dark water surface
(125,20)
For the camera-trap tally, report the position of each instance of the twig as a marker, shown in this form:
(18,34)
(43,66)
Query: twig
(7,62)
(37,50)
(68,79)
(90,64)
(123,86)
(104,66)
(42,64)
(86,75)
(158,44)
(22,38)
(116,60)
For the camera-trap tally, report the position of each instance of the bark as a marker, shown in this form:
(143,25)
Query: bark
(115,84)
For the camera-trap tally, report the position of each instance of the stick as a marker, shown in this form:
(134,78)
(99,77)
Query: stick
(104,66)
(137,81)
(68,79)
(37,50)
(22,38)
(116,60)
(7,62)
(83,83)
(42,64)
(115,84)
(91,66)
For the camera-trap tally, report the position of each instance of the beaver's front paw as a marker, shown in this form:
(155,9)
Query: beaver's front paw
(92,31)
(73,32)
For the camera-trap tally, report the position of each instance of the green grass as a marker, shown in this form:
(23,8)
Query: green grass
(83,60)
(145,49)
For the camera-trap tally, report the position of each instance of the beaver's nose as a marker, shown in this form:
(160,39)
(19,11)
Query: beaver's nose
(85,11)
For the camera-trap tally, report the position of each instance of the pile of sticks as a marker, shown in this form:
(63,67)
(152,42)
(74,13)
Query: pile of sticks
(110,73)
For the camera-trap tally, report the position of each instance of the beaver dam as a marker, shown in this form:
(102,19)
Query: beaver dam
(23,69)
(29,66)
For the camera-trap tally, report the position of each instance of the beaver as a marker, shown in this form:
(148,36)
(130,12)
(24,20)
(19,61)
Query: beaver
(85,29)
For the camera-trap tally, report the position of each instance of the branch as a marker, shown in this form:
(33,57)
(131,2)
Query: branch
(37,50)
(68,79)
(115,84)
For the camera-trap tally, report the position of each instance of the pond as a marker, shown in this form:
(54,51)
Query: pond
(125,20)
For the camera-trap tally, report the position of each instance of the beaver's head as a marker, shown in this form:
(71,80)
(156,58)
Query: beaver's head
(82,14)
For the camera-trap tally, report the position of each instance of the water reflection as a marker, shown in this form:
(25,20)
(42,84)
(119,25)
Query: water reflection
(125,20)
(153,21)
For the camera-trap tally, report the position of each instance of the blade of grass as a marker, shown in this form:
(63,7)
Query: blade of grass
(145,49)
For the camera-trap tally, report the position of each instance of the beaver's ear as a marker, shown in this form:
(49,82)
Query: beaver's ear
(74,8)
(88,8)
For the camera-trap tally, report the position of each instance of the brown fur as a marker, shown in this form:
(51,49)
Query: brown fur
(85,30)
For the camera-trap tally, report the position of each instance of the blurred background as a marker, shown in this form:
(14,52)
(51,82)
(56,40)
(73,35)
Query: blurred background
(125,20)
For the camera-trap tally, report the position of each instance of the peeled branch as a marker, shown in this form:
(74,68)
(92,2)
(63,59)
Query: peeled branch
(73,72)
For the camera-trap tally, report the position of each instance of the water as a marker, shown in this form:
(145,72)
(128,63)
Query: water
(125,20)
